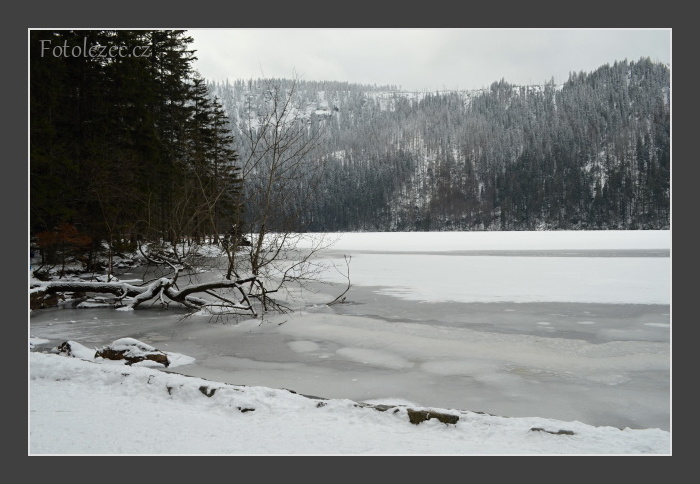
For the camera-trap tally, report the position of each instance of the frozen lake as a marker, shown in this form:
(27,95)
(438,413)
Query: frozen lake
(564,325)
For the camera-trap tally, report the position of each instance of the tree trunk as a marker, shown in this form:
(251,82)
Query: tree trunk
(130,297)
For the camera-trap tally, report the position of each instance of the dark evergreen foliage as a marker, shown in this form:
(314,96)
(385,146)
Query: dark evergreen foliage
(127,148)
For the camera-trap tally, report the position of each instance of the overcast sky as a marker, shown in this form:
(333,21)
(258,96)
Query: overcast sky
(420,59)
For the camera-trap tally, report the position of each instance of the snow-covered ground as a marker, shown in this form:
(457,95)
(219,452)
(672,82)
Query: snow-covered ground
(552,330)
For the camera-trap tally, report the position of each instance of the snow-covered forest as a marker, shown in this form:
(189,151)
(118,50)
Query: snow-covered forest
(593,153)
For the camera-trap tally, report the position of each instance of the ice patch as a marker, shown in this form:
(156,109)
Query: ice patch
(233,363)
(303,346)
(585,322)
(375,358)
(612,280)
(658,325)
(610,379)
(458,367)
(33,341)
(544,323)
(508,383)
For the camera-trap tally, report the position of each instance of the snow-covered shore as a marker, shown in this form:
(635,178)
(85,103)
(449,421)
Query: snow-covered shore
(78,406)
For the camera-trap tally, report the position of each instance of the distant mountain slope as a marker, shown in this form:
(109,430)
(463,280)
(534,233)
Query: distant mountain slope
(593,153)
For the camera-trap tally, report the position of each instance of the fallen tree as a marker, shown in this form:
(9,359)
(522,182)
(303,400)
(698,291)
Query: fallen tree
(286,262)
(164,289)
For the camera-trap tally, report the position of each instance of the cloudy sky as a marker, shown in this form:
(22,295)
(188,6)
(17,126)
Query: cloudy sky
(420,59)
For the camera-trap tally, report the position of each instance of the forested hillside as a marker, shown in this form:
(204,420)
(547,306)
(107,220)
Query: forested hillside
(593,153)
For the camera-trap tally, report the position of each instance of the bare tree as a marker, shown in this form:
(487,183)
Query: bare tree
(282,166)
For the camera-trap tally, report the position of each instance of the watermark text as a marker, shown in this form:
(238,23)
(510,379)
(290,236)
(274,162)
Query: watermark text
(94,50)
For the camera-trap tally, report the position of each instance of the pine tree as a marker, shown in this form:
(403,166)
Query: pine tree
(115,140)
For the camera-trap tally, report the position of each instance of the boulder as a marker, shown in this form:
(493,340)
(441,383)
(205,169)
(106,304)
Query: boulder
(133,351)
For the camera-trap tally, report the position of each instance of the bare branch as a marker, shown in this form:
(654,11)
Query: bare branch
(338,299)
